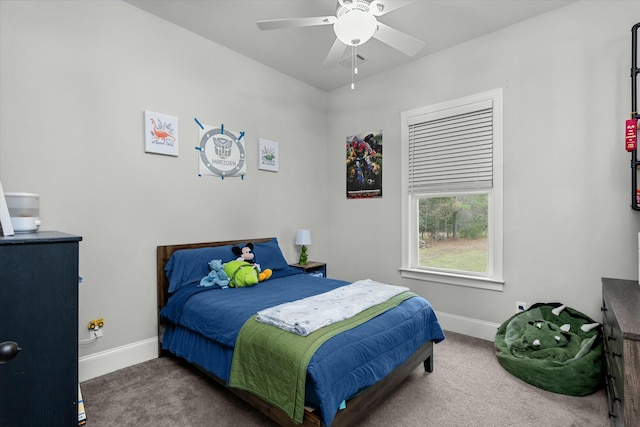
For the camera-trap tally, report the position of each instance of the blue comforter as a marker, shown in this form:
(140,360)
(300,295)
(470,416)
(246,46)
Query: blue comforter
(344,365)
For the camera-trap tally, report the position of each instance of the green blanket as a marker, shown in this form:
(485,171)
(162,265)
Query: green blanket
(272,363)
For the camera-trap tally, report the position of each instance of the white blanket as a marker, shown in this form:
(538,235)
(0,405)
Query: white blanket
(312,313)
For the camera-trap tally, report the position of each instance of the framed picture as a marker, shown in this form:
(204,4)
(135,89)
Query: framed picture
(268,155)
(222,152)
(364,165)
(160,133)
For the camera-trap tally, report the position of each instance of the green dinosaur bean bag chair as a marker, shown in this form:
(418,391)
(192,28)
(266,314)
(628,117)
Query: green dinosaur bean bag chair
(553,347)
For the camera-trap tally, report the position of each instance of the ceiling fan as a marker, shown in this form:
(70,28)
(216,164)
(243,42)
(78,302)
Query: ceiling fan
(354,24)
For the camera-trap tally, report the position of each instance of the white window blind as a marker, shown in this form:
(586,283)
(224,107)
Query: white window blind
(453,150)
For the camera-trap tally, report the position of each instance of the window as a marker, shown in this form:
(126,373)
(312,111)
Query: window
(452,192)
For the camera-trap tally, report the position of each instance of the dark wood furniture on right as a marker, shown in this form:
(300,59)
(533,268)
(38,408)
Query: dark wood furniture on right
(621,330)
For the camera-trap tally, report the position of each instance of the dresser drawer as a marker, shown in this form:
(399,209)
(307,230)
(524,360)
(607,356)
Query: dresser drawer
(614,379)
(616,412)
(613,352)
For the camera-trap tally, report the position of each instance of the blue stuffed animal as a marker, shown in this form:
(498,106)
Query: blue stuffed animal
(216,276)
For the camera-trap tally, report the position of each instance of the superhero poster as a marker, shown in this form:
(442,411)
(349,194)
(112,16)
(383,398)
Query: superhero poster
(364,165)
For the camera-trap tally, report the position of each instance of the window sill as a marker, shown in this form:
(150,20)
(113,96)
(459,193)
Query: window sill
(453,279)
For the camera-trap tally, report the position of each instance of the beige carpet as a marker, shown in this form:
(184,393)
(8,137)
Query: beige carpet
(467,388)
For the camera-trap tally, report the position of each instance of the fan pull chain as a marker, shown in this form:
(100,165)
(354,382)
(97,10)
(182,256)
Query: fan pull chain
(355,59)
(353,86)
(354,65)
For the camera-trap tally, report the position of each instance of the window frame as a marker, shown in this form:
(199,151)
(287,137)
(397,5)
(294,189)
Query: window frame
(493,279)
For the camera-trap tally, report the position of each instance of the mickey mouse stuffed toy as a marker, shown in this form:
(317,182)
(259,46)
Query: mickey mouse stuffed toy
(244,253)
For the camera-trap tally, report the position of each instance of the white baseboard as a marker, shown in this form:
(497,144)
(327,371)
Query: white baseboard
(104,362)
(468,326)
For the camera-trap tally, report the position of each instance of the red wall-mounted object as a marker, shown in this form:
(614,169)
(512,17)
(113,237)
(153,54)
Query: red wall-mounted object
(631,134)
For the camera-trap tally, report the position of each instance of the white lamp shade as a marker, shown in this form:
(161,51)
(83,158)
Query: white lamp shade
(355,27)
(303,237)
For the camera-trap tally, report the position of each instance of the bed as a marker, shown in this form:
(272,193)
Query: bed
(344,377)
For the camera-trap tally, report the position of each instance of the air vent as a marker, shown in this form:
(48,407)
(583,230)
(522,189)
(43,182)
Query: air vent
(346,62)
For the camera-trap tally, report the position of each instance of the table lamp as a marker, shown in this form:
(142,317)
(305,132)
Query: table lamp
(303,238)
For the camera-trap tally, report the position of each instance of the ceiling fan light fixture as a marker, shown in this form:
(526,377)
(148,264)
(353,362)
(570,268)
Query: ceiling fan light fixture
(355,27)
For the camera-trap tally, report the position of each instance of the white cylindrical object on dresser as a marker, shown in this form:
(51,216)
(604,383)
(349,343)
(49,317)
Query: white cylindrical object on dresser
(24,210)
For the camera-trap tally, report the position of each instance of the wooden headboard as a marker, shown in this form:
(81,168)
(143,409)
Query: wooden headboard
(163,253)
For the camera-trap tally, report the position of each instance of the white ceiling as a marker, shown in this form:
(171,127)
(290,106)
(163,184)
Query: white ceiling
(300,52)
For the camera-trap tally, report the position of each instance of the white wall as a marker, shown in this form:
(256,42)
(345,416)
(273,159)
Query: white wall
(75,78)
(568,223)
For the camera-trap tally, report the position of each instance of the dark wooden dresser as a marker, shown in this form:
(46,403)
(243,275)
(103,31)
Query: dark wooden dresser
(621,329)
(39,312)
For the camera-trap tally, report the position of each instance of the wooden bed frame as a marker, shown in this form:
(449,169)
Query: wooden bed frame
(357,407)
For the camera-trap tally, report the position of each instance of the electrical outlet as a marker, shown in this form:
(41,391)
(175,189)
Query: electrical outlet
(521,306)
(95,324)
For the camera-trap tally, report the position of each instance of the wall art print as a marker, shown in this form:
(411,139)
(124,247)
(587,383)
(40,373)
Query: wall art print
(222,152)
(160,133)
(268,156)
(364,165)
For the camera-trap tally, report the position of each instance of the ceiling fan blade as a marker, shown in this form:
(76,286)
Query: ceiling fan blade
(277,24)
(381,7)
(335,54)
(403,42)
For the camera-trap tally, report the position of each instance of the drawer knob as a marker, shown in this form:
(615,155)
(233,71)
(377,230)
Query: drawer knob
(8,350)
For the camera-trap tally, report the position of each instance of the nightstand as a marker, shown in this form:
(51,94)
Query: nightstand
(313,268)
